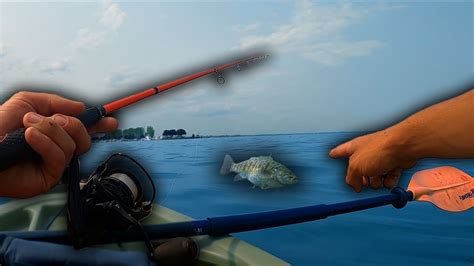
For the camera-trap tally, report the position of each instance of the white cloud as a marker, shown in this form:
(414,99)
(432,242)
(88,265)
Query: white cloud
(24,64)
(87,39)
(314,32)
(4,48)
(112,16)
(122,76)
(331,53)
(33,65)
(53,67)
(246,28)
(16,63)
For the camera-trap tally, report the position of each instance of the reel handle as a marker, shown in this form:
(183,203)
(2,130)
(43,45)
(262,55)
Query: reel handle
(14,148)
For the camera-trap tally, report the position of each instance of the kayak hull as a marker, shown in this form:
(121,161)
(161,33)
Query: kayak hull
(45,213)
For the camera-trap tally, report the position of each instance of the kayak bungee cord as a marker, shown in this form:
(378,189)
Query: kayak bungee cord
(14,148)
(448,188)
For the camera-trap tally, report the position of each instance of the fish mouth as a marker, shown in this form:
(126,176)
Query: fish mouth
(294,179)
(289,181)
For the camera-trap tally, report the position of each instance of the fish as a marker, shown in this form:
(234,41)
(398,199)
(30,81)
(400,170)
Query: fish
(261,171)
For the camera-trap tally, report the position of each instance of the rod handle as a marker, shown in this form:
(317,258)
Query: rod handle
(91,115)
(14,148)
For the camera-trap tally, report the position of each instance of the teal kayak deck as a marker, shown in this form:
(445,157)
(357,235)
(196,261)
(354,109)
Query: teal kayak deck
(42,211)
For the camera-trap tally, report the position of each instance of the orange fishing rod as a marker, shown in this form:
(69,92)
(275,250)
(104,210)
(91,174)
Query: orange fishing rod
(14,148)
(113,106)
(92,115)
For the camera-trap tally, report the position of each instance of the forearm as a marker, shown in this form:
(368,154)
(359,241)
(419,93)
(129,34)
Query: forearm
(443,130)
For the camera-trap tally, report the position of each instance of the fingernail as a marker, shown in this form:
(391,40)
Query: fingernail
(33,118)
(34,133)
(60,120)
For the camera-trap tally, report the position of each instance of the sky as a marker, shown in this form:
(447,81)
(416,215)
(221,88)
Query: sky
(333,66)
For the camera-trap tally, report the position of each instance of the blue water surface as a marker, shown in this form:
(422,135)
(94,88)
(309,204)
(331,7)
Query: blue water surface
(186,174)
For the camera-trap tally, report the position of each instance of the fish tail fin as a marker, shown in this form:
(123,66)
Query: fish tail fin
(226,165)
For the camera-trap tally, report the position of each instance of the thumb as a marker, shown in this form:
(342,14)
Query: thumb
(343,150)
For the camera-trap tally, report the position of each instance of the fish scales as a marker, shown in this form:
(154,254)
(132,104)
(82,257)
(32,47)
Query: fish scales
(250,166)
(262,171)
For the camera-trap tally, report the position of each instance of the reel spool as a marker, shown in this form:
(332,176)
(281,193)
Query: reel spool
(118,195)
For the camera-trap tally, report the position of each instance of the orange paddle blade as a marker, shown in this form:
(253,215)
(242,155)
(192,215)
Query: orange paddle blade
(446,187)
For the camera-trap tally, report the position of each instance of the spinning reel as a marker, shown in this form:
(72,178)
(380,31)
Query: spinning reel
(117,196)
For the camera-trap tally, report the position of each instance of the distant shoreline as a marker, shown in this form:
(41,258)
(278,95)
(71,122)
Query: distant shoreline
(232,136)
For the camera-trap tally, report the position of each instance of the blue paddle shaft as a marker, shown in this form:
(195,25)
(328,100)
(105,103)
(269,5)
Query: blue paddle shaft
(236,223)
(255,221)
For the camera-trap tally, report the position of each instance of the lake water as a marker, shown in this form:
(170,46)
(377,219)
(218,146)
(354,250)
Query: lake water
(186,175)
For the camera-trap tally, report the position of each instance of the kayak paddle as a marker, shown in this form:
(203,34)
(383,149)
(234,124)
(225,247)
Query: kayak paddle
(14,148)
(446,187)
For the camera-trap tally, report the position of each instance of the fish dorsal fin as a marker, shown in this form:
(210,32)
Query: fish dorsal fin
(266,158)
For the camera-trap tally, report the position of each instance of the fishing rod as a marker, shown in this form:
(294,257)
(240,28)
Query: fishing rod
(448,188)
(14,148)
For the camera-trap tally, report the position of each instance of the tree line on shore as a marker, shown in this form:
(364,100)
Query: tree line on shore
(170,133)
(129,133)
(141,133)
